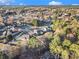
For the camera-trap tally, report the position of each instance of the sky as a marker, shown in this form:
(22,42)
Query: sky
(39,2)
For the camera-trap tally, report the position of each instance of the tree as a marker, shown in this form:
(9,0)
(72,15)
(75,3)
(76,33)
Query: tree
(66,43)
(65,54)
(54,45)
(33,43)
(65,47)
(34,22)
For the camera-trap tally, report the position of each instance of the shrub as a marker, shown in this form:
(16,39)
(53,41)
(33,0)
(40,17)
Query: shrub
(65,47)
(33,43)
(34,22)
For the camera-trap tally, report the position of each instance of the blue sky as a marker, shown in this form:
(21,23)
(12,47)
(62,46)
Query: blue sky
(39,2)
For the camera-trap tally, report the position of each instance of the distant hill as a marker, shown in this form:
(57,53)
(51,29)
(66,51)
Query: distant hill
(27,6)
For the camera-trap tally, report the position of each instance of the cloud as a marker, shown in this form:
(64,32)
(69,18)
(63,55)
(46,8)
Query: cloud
(75,4)
(6,2)
(22,4)
(55,3)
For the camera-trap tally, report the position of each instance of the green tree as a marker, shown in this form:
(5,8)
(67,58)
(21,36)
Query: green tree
(33,43)
(66,43)
(34,22)
(54,45)
(65,54)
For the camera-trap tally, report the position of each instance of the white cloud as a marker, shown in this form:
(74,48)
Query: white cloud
(75,4)
(55,3)
(22,4)
(6,2)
